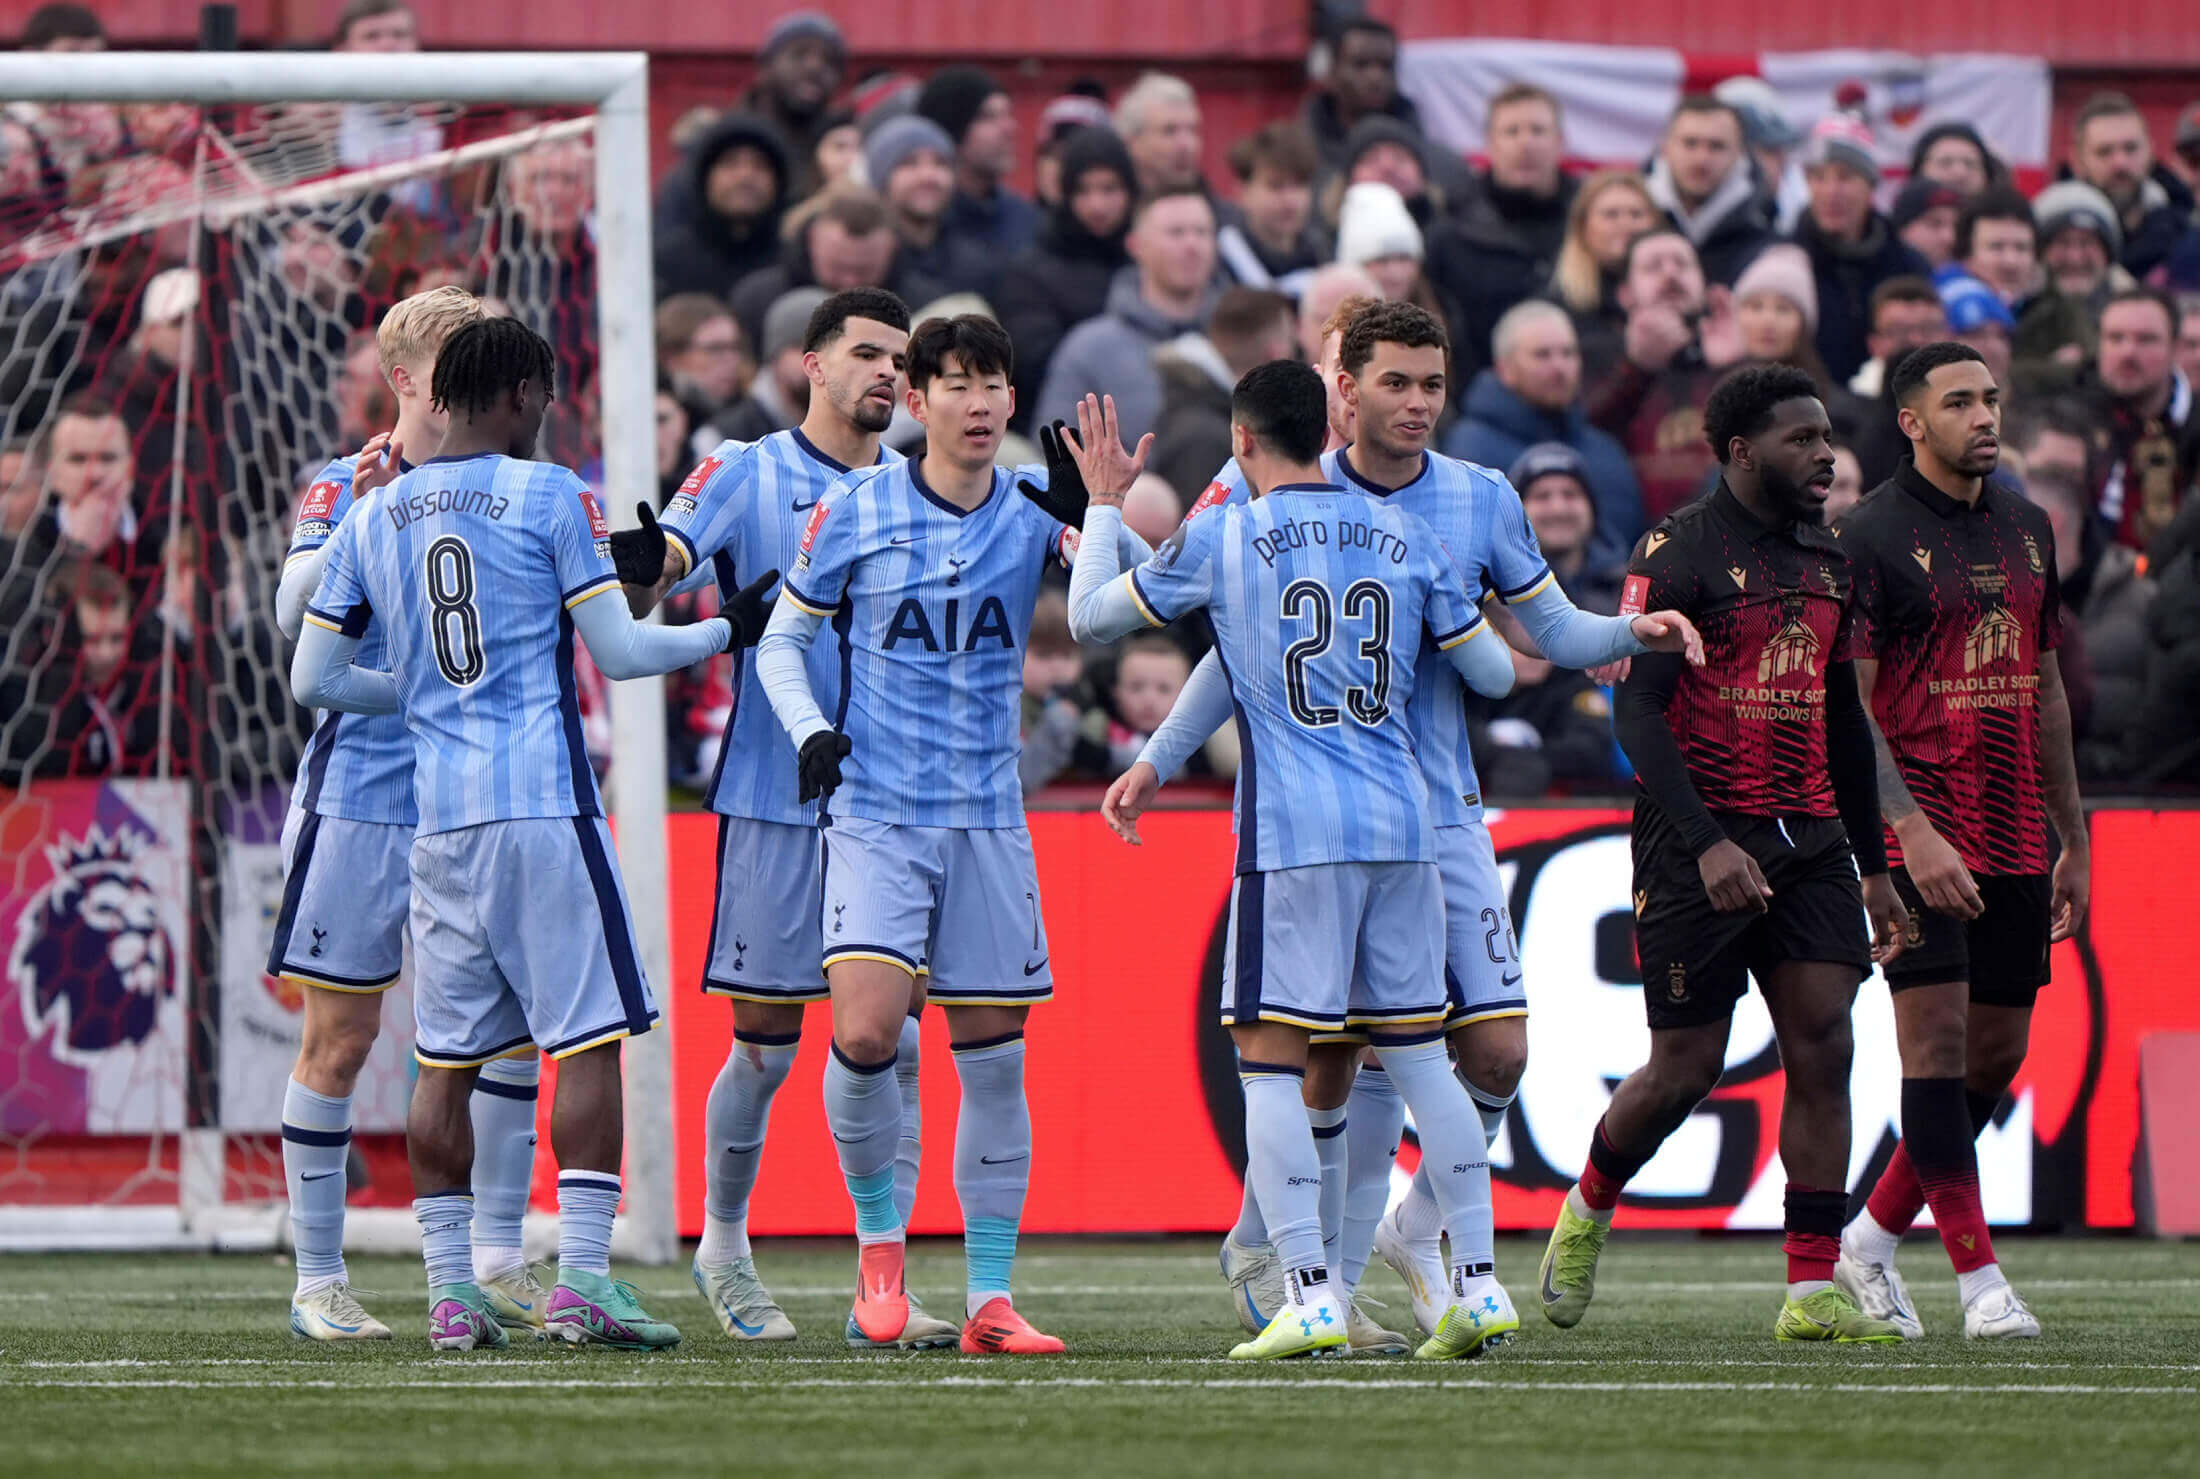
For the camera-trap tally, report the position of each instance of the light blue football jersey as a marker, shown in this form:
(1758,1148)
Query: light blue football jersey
(1321,600)
(1483,528)
(930,608)
(358,767)
(471,567)
(742,512)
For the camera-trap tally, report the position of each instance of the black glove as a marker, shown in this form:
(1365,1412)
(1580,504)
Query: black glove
(819,764)
(639,554)
(748,610)
(1064,495)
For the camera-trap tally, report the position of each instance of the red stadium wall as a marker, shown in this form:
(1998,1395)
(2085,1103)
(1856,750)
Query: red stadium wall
(1133,1099)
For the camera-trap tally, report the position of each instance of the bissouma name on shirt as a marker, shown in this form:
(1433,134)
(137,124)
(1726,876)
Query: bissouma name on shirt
(419,504)
(1297,534)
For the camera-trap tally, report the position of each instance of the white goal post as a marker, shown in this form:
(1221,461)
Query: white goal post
(614,86)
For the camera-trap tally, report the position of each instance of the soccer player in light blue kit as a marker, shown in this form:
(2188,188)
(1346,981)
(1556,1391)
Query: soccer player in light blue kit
(340,933)
(744,509)
(479,567)
(1389,384)
(927,570)
(1320,600)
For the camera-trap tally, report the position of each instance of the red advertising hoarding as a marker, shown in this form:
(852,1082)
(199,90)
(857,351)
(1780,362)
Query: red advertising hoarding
(1134,1103)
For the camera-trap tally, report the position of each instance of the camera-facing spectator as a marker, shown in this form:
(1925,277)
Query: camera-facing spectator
(1530,396)
(701,356)
(837,239)
(1503,240)
(2059,330)
(718,215)
(1055,697)
(1848,483)
(1277,243)
(1956,156)
(1150,671)
(1924,216)
(89,704)
(1168,290)
(910,161)
(1558,489)
(1679,336)
(2154,433)
(1611,209)
(1084,106)
(800,67)
(975,112)
(1362,83)
(1772,141)
(1776,312)
(1376,233)
(2110,150)
(1065,277)
(1852,247)
(1158,121)
(1978,317)
(1249,327)
(93,514)
(1705,182)
(542,256)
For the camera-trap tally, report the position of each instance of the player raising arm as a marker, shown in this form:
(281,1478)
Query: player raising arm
(521,937)
(1320,599)
(1757,810)
(928,570)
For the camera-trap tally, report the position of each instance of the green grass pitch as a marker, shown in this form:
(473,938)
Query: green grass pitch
(182,1365)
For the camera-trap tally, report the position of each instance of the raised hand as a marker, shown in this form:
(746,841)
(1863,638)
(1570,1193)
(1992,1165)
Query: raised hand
(1108,470)
(1064,496)
(371,469)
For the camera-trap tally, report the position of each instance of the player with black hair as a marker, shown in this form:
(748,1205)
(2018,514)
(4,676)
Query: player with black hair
(1755,814)
(487,362)
(1958,615)
(928,571)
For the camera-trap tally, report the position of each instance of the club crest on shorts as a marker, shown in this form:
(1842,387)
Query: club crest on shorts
(1676,981)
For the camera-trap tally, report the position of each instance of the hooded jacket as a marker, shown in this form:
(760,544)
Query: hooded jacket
(1064,277)
(1499,424)
(700,250)
(1730,229)
(1114,354)
(1846,273)
(1498,249)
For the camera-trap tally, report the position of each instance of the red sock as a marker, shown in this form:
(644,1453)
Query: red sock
(1813,1231)
(1961,1221)
(1937,1126)
(1897,1198)
(1607,1173)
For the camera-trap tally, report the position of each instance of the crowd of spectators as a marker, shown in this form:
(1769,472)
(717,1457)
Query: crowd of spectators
(1589,314)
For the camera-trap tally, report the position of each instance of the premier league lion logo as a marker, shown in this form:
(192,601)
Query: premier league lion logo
(91,958)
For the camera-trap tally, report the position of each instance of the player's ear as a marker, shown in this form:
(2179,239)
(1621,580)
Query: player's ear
(915,400)
(813,367)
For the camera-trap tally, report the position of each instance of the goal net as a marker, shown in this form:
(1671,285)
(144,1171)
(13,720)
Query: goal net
(189,287)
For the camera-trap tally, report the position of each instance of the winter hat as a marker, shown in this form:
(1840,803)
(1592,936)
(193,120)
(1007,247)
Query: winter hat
(892,142)
(1963,131)
(1920,195)
(1972,305)
(1764,122)
(1381,128)
(880,96)
(1086,149)
(1374,223)
(787,321)
(2069,203)
(1783,270)
(1841,138)
(953,97)
(1068,113)
(1545,460)
(798,24)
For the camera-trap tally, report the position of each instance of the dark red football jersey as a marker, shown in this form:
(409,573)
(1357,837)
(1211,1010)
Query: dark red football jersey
(1957,602)
(1772,605)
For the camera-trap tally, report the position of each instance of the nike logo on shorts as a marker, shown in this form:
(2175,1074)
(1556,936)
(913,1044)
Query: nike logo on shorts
(1511,980)
(986,1160)
(319,1175)
(1033,970)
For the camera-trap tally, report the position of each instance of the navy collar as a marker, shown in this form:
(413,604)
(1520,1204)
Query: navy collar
(1344,462)
(916,477)
(812,451)
(469,457)
(1304,488)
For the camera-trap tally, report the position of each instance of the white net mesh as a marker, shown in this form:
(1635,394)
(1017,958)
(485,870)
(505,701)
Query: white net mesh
(187,303)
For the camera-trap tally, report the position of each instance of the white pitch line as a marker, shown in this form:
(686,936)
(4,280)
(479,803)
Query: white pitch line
(2030,1389)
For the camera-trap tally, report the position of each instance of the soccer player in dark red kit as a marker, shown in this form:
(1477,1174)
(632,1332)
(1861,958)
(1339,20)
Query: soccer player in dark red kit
(1957,619)
(1757,813)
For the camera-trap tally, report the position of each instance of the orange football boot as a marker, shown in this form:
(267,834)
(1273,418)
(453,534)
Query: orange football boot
(997,1330)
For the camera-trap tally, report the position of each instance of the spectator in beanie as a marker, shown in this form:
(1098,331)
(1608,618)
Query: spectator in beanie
(1776,312)
(1061,118)
(1610,209)
(1772,141)
(1503,241)
(1852,248)
(1277,244)
(1978,317)
(1705,182)
(1375,232)
(2154,434)
(1907,314)
(1064,278)
(2107,596)
(802,64)
(2080,243)
(1158,120)
(1680,335)
(1558,489)
(1249,327)
(839,146)
(1531,396)
(718,217)
(975,111)
(1362,83)
(1168,290)
(1924,216)
(1954,155)
(910,162)
(2110,151)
